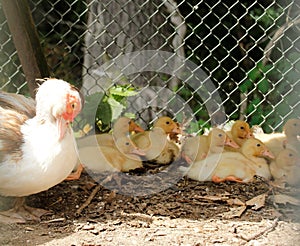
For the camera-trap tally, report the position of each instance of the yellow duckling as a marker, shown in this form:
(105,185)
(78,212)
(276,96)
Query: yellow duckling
(199,147)
(286,167)
(234,166)
(239,133)
(122,127)
(276,142)
(155,143)
(123,156)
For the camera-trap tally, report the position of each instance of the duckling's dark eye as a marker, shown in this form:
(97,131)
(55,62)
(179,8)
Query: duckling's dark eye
(73,105)
(167,122)
(127,143)
(242,127)
(295,124)
(290,155)
(220,135)
(258,145)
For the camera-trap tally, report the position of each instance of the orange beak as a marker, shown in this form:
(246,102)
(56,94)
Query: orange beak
(268,153)
(231,143)
(133,127)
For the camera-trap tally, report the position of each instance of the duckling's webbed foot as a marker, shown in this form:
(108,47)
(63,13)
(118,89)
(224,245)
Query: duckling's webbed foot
(217,179)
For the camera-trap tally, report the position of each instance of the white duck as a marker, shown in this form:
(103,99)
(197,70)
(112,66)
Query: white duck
(37,152)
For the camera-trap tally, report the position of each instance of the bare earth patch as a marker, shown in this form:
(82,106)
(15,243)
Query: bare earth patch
(185,212)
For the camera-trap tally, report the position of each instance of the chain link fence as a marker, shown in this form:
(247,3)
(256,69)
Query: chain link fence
(248,49)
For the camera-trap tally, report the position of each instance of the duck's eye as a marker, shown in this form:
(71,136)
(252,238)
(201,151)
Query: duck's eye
(258,145)
(127,143)
(167,122)
(220,135)
(242,128)
(73,105)
(290,155)
(295,124)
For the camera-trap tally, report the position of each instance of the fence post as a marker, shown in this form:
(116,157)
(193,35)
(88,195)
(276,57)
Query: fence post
(26,41)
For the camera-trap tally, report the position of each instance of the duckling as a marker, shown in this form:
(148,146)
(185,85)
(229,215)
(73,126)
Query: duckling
(123,156)
(155,143)
(286,167)
(239,133)
(122,127)
(199,147)
(233,166)
(276,142)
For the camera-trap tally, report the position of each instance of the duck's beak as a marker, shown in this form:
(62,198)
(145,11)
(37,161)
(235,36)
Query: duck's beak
(268,153)
(137,151)
(231,143)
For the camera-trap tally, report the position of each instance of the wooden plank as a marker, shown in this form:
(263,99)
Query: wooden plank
(26,41)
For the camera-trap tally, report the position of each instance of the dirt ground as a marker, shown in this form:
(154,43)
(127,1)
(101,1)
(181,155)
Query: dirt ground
(144,208)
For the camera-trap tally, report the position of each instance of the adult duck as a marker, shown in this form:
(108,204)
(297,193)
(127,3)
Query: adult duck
(37,146)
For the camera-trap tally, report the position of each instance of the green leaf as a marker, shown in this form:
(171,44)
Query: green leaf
(124,91)
(246,86)
(263,86)
(116,108)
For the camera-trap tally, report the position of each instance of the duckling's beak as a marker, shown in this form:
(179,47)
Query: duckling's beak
(268,153)
(137,151)
(231,143)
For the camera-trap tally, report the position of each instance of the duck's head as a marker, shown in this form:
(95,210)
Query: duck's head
(218,137)
(126,125)
(292,128)
(241,131)
(127,147)
(168,125)
(287,158)
(255,147)
(58,101)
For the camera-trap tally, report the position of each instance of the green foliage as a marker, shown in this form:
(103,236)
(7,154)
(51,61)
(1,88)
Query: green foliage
(266,17)
(101,109)
(266,86)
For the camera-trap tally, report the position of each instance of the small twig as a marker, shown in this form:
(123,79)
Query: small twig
(88,200)
(53,221)
(261,233)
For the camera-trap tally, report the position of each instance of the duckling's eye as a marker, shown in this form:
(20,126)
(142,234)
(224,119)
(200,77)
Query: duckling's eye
(242,127)
(220,135)
(290,155)
(73,105)
(295,124)
(127,143)
(258,145)
(167,122)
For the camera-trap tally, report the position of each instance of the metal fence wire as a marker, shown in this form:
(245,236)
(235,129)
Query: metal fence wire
(248,49)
